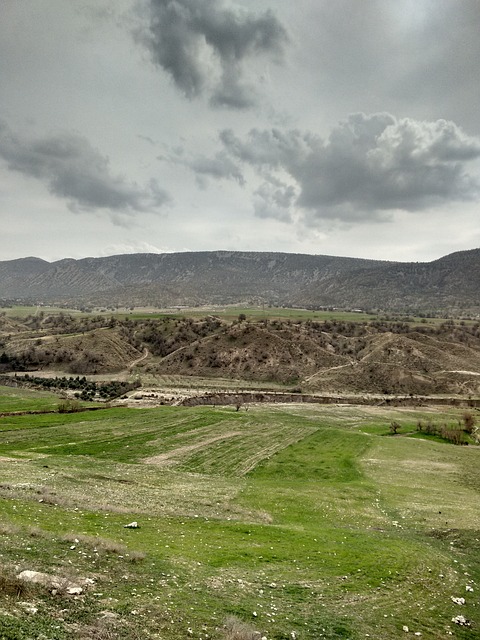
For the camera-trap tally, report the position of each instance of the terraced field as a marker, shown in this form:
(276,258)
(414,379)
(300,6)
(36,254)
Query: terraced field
(298,522)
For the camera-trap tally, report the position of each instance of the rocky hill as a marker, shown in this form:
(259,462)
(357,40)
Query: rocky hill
(224,277)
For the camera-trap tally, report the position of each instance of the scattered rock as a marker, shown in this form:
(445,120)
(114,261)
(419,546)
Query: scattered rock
(405,628)
(468,588)
(74,591)
(28,607)
(131,525)
(462,621)
(458,600)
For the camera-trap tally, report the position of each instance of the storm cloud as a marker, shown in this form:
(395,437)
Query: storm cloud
(368,165)
(206,46)
(72,169)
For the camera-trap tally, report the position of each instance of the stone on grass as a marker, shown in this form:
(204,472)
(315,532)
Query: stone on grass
(131,525)
(53,583)
(28,607)
(44,579)
(462,621)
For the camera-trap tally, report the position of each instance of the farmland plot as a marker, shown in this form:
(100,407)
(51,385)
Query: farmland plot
(299,521)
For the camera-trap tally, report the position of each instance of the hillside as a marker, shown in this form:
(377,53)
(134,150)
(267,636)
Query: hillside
(331,356)
(226,277)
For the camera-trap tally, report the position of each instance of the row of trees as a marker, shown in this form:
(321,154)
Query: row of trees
(459,433)
(82,388)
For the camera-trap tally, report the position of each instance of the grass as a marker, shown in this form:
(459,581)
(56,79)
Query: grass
(287,519)
(17,399)
(22,311)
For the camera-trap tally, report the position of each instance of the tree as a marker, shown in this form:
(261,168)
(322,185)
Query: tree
(394,427)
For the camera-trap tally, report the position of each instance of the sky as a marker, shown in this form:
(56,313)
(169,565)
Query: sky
(346,127)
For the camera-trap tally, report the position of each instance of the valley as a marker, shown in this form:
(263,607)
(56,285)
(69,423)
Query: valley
(238,475)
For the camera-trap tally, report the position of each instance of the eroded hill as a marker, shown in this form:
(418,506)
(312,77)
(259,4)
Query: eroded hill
(331,356)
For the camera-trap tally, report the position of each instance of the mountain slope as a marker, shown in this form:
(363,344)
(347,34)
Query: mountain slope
(225,277)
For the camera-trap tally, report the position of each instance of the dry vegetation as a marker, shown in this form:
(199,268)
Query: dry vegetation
(331,356)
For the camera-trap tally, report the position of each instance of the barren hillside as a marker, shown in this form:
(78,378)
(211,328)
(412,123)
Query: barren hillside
(380,357)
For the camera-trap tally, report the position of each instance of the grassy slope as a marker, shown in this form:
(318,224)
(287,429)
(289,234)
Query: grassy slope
(307,516)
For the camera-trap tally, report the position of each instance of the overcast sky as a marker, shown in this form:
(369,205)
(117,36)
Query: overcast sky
(346,127)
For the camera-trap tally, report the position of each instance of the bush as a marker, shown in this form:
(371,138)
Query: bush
(394,427)
(69,406)
(468,422)
(236,629)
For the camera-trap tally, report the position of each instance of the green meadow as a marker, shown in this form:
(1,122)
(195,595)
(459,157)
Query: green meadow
(297,522)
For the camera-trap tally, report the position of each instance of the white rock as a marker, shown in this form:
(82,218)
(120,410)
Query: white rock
(468,588)
(74,590)
(462,621)
(405,628)
(131,525)
(28,607)
(37,577)
(457,600)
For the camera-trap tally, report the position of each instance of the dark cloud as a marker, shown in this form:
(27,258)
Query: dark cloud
(369,165)
(275,199)
(74,170)
(204,46)
(220,166)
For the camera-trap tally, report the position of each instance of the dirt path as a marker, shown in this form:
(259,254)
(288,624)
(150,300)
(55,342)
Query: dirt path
(135,362)
(340,366)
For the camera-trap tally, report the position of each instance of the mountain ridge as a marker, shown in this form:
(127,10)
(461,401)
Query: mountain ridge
(229,277)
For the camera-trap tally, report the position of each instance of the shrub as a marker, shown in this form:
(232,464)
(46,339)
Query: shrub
(236,629)
(468,422)
(69,406)
(10,585)
(394,427)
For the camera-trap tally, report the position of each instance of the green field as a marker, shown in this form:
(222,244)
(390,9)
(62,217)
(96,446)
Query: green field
(228,313)
(22,311)
(300,521)
(17,399)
